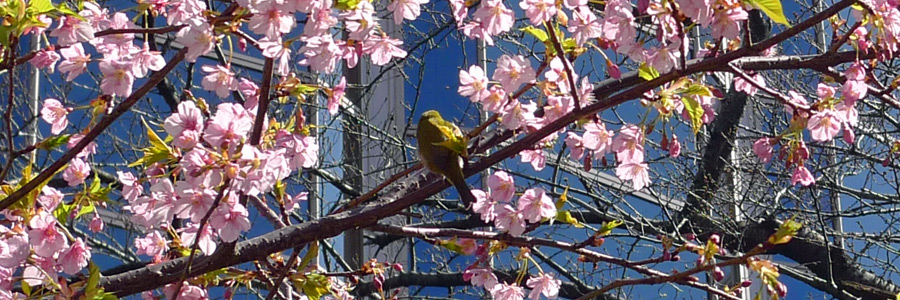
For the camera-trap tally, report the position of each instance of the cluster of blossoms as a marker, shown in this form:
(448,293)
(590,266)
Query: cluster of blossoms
(544,284)
(533,206)
(830,115)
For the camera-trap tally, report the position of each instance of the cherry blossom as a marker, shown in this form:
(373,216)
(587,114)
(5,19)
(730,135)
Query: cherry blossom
(484,206)
(91,147)
(277,50)
(54,113)
(14,247)
(193,201)
(198,38)
(153,244)
(726,22)
(405,9)
(535,157)
(302,151)
(75,258)
(44,237)
(205,242)
(336,95)
(229,125)
(292,203)
(506,291)
(742,85)
(187,292)
(74,61)
(824,125)
(219,79)
(460,11)
(321,53)
(50,198)
(77,172)
(494,17)
(117,77)
(496,100)
(637,172)
(545,284)
(502,186)
(674,147)
(182,11)
(597,138)
(144,61)
(535,205)
(629,144)
(481,277)
(473,83)
(71,30)
(509,220)
(96,224)
(360,21)
(584,25)
(539,11)
(382,48)
(45,59)
(512,72)
(574,142)
(270,19)
(131,188)
(230,220)
(802,176)
(185,126)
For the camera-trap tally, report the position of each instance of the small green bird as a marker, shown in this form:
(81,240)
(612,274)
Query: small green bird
(442,147)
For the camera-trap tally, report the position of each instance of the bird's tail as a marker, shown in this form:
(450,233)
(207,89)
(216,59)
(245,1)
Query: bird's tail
(465,194)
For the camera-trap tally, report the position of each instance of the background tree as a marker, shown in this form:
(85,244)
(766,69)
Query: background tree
(651,136)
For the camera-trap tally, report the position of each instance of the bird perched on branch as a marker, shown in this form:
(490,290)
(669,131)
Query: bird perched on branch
(442,148)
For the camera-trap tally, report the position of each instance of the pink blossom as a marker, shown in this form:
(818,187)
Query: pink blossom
(506,291)
(145,60)
(250,91)
(502,186)
(726,22)
(96,224)
(157,208)
(302,151)
(75,258)
(483,206)
(742,85)
(557,74)
(496,100)
(629,144)
(220,79)
(494,17)
(14,247)
(44,237)
(230,220)
(187,292)
(193,201)
(824,125)
(74,61)
(77,172)
(336,95)
(74,139)
(41,272)
(292,203)
(535,205)
(45,59)
(701,11)
(674,147)
(54,113)
(664,59)
(50,198)
(509,220)
(635,171)
(277,50)
(131,188)
(597,138)
(795,100)
(545,284)
(231,124)
(71,30)
(539,11)
(481,277)
(576,148)
(186,125)
(584,25)
(205,242)
(183,11)
(405,9)
(383,48)
(803,176)
(535,157)
(473,83)
(270,19)
(117,77)
(763,148)
(854,90)
(118,21)
(152,244)
(360,21)
(512,72)
(824,91)
(856,71)
(199,39)
(460,11)
(321,53)
(557,107)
